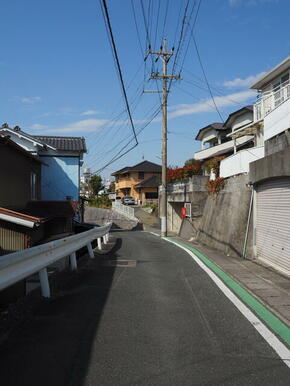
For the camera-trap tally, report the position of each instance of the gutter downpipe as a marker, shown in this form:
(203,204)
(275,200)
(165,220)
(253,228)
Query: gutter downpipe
(248,224)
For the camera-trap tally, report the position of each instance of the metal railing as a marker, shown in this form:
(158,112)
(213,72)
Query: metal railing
(270,100)
(124,209)
(19,265)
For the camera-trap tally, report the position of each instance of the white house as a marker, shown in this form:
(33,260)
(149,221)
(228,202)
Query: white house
(271,118)
(247,142)
(216,138)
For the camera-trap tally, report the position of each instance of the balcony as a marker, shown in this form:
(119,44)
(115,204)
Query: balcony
(269,101)
(239,163)
(223,148)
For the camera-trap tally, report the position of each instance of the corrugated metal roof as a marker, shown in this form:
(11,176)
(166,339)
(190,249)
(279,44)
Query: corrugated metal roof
(77,144)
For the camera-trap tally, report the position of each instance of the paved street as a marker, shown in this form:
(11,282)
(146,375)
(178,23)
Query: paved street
(154,319)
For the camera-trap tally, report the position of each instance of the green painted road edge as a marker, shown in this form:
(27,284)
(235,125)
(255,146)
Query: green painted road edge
(271,320)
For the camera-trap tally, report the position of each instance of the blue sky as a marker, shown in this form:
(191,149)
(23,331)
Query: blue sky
(58,77)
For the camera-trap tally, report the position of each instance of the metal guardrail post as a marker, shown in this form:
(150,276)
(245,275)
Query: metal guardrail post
(73,261)
(44,283)
(90,250)
(100,243)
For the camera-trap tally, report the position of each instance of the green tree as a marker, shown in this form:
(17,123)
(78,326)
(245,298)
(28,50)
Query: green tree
(191,162)
(112,187)
(96,184)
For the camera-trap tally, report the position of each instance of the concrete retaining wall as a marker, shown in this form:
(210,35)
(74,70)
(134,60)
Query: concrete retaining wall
(102,216)
(224,220)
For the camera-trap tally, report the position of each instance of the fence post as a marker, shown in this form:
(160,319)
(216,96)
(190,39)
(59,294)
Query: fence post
(44,283)
(73,261)
(90,250)
(100,243)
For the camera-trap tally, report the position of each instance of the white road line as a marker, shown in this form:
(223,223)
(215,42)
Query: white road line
(271,339)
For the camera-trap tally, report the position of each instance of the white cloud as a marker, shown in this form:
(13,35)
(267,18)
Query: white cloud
(82,126)
(208,106)
(234,3)
(246,82)
(36,126)
(29,100)
(90,112)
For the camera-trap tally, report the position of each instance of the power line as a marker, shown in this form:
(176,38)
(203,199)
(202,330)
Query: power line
(165,18)
(205,78)
(192,28)
(108,23)
(137,29)
(118,155)
(157,22)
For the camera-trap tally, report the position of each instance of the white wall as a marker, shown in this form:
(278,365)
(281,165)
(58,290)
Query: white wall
(239,163)
(209,135)
(277,121)
(242,120)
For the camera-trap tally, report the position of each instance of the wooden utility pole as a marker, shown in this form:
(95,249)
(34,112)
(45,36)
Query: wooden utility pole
(165,57)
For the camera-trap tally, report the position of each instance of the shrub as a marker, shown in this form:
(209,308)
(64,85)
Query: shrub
(214,164)
(180,174)
(215,186)
(101,202)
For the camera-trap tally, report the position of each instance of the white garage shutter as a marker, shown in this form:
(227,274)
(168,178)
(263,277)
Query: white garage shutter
(273,223)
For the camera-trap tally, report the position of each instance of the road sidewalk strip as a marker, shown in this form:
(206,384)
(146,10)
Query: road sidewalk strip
(262,319)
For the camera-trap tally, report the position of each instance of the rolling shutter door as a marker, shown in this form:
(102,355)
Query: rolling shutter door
(273,223)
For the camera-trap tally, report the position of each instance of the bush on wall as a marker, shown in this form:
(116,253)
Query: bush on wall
(180,174)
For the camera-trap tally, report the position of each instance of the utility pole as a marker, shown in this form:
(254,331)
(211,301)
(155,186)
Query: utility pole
(165,57)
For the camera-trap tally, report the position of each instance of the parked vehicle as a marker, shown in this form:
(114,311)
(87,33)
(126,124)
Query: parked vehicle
(128,200)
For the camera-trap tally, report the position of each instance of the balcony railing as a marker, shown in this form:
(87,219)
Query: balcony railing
(239,163)
(271,100)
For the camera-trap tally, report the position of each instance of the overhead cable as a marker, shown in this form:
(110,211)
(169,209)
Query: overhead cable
(112,40)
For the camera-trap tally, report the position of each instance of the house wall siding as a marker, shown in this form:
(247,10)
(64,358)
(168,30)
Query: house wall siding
(242,120)
(129,182)
(15,177)
(60,179)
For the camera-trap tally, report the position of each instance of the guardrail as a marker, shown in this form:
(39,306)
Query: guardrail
(19,265)
(124,209)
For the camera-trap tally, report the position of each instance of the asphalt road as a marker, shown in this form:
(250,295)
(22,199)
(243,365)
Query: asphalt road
(155,320)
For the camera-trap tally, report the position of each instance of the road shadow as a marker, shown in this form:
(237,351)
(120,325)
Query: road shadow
(52,345)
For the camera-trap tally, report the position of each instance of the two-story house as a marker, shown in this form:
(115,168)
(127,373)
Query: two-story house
(25,219)
(62,157)
(216,138)
(140,181)
(247,141)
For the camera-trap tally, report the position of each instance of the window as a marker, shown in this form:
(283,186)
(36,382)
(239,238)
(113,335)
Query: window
(151,195)
(33,186)
(281,89)
(141,175)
